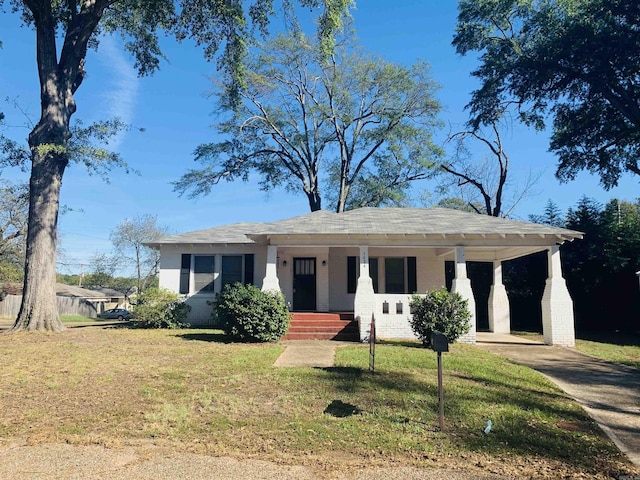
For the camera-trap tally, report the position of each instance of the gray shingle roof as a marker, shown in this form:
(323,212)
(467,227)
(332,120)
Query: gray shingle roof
(373,221)
(234,233)
(406,221)
(62,290)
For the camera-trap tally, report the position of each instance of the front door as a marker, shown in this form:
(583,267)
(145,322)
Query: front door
(304,284)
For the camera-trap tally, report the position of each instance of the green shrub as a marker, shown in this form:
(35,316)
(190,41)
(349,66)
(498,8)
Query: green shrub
(440,311)
(248,314)
(160,308)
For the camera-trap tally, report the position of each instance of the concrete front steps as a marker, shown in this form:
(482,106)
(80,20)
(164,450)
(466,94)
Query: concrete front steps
(323,326)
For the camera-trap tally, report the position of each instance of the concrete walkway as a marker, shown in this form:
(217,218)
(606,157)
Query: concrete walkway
(309,353)
(609,392)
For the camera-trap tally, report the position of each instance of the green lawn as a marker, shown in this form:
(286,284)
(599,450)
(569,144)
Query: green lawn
(197,392)
(615,347)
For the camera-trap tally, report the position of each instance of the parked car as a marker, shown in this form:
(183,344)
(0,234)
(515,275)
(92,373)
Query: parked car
(116,313)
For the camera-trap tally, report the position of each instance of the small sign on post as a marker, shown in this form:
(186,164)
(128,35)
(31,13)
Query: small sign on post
(439,344)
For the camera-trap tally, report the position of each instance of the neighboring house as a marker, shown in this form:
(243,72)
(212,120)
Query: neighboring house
(367,261)
(115,298)
(80,301)
(71,300)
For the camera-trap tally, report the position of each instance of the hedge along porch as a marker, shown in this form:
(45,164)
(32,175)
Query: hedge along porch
(367,261)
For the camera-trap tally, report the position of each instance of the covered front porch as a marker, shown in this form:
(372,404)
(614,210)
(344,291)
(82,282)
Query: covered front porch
(378,280)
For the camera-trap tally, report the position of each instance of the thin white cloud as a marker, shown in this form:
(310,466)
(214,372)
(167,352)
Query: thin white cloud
(121,95)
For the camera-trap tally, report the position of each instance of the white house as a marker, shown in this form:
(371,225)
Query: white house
(367,261)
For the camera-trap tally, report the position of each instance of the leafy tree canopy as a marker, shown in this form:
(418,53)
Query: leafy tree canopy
(551,216)
(358,123)
(575,61)
(128,239)
(600,269)
(64,32)
(14,209)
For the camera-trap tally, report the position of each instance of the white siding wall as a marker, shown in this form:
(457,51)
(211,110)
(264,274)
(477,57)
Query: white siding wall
(331,293)
(393,324)
(170,262)
(339,299)
(430,275)
(169,277)
(430,271)
(285,273)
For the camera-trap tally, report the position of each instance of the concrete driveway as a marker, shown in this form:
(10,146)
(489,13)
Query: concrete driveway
(609,392)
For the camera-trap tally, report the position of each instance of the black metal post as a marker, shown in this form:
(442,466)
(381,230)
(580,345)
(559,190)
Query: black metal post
(372,345)
(440,393)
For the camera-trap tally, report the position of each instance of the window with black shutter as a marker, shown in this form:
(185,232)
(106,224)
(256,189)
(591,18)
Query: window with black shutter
(248,269)
(412,275)
(185,272)
(400,275)
(352,275)
(353,269)
(203,273)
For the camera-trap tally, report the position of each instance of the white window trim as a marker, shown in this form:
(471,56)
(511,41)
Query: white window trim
(242,272)
(192,274)
(405,280)
(217,272)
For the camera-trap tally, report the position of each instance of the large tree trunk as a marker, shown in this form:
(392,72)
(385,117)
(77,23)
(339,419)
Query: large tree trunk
(315,201)
(59,80)
(39,309)
(343,194)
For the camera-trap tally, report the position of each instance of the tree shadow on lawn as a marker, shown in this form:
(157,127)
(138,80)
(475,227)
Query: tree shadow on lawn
(351,379)
(214,336)
(362,387)
(211,337)
(552,427)
(555,430)
(402,343)
(97,324)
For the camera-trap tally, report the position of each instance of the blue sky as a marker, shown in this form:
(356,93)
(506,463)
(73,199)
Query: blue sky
(173,108)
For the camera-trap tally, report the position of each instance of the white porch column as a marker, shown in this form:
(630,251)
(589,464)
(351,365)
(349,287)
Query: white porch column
(462,285)
(557,306)
(270,280)
(499,315)
(364,302)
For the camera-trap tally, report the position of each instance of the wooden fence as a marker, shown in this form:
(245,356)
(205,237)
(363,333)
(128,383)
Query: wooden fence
(10,306)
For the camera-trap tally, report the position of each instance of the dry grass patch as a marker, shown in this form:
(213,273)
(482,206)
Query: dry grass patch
(191,389)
